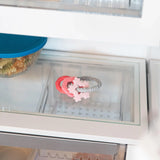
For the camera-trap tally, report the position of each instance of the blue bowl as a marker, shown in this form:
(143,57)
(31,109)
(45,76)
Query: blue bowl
(18,53)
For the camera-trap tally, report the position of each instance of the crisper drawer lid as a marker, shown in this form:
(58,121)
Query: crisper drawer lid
(116,112)
(23,93)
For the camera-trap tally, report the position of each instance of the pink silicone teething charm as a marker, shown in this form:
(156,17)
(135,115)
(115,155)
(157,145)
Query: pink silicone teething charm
(65,83)
(73,89)
(58,83)
(77,88)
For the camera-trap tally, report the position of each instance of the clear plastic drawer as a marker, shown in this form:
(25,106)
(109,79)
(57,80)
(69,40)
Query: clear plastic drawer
(118,153)
(116,100)
(119,104)
(114,152)
(23,93)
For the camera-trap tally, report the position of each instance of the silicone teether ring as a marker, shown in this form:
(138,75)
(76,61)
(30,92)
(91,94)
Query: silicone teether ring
(58,84)
(65,85)
(73,89)
(89,89)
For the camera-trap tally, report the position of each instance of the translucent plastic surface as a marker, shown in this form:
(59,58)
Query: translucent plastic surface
(115,7)
(24,92)
(47,155)
(12,66)
(115,100)
(117,154)
(35,91)
(15,153)
(111,101)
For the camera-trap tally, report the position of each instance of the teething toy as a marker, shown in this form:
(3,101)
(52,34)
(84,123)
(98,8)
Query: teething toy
(77,88)
(58,83)
(77,96)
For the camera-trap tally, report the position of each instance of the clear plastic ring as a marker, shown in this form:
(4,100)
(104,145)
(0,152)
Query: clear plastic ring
(90,89)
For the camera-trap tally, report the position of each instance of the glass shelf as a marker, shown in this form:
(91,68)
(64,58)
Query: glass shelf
(113,7)
(35,92)
(34,106)
(113,101)
(24,92)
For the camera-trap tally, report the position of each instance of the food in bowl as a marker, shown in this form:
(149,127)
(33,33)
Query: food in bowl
(12,66)
(18,53)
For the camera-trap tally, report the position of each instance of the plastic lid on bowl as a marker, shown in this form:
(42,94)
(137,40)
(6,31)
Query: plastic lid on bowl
(12,46)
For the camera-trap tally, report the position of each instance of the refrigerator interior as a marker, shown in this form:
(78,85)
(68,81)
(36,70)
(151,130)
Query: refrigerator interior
(34,92)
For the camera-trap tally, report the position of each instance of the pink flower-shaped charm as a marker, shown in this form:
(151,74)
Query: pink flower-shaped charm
(73,89)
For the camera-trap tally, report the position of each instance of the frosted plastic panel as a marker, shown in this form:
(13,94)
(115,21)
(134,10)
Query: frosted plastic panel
(114,7)
(115,152)
(15,153)
(34,91)
(23,93)
(99,3)
(109,102)
(116,100)
(58,155)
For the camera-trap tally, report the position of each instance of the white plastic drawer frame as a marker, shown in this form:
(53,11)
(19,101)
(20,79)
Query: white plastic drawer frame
(51,126)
